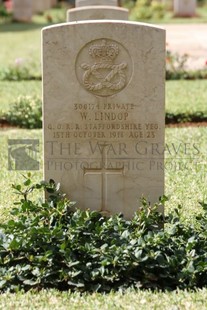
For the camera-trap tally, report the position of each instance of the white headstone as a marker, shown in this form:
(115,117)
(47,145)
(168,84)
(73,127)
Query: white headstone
(96,2)
(104,117)
(96,9)
(97,12)
(185,8)
(22,10)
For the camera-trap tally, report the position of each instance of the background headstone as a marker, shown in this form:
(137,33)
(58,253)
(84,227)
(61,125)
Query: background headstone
(96,2)
(104,118)
(185,8)
(53,3)
(41,6)
(96,9)
(97,12)
(22,10)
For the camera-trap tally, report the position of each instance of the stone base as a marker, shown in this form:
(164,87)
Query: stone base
(97,12)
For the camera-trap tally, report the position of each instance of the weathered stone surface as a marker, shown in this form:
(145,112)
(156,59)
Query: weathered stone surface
(22,10)
(184,8)
(97,12)
(103,93)
(96,2)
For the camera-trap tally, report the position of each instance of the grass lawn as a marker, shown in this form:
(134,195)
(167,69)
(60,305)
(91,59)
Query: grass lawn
(26,40)
(7,178)
(131,300)
(24,88)
(186,169)
(186,96)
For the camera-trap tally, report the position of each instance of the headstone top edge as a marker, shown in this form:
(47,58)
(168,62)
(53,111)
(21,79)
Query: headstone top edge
(83,3)
(98,7)
(105,21)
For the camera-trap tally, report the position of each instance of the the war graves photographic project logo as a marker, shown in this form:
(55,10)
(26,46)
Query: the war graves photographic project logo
(23,154)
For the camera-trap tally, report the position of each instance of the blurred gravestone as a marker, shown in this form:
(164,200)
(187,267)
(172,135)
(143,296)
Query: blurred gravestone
(40,6)
(96,2)
(96,9)
(53,3)
(22,10)
(185,8)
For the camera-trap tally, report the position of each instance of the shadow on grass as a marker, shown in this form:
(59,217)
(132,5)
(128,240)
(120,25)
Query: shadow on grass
(15,26)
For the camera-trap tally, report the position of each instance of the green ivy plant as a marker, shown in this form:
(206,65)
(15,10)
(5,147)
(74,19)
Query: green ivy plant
(49,243)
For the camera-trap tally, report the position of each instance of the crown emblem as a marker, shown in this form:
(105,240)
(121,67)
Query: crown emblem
(104,52)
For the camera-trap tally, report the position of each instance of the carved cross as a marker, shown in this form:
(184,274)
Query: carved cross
(104,171)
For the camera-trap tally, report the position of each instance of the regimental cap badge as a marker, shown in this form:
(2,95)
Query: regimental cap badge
(104,52)
(103,67)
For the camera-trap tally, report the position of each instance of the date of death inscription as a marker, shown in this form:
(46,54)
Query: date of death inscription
(103,130)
